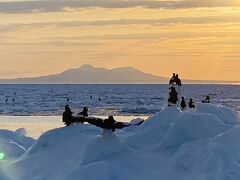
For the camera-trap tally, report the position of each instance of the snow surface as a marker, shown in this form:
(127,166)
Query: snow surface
(200,144)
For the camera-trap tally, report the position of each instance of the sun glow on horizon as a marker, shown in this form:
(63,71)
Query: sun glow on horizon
(198,43)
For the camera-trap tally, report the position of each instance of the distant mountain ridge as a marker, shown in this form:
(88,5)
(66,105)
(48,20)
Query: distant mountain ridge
(88,74)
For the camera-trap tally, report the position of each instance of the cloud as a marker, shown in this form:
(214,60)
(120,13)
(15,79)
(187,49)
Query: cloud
(59,5)
(170,21)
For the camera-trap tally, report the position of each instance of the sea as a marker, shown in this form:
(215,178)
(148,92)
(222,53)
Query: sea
(38,107)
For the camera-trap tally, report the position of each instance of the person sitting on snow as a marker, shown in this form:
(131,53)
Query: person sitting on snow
(172,80)
(206,100)
(84,112)
(67,117)
(183,103)
(173,97)
(191,104)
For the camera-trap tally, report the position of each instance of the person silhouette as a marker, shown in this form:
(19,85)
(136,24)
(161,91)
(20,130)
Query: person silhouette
(178,80)
(67,116)
(191,104)
(84,112)
(183,103)
(173,97)
(172,80)
(206,100)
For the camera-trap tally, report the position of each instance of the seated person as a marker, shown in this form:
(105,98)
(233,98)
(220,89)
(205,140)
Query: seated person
(183,104)
(84,112)
(191,103)
(206,100)
(68,117)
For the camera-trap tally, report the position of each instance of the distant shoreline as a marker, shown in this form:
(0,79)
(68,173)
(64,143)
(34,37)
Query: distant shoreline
(197,83)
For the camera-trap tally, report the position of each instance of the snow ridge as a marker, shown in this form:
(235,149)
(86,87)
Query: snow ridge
(200,144)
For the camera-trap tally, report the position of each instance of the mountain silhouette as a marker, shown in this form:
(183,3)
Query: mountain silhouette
(88,74)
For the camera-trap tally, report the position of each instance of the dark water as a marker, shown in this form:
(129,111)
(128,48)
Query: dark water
(105,99)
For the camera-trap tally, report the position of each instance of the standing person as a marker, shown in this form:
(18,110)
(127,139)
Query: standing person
(183,103)
(67,117)
(172,80)
(173,97)
(191,104)
(179,87)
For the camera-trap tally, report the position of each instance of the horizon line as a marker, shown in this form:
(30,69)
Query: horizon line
(199,81)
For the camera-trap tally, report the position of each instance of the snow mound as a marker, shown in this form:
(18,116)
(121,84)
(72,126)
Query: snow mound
(14,144)
(109,146)
(216,158)
(59,149)
(21,131)
(225,114)
(193,126)
(201,144)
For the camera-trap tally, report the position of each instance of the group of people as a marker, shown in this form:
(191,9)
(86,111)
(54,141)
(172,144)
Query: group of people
(110,124)
(174,83)
(82,117)
(175,80)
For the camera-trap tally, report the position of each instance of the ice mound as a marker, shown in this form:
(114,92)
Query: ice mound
(14,144)
(11,149)
(153,130)
(109,146)
(216,158)
(21,131)
(201,144)
(58,149)
(193,126)
(225,114)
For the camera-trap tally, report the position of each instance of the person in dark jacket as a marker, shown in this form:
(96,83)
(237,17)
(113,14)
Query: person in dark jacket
(183,103)
(191,104)
(67,117)
(178,80)
(206,100)
(173,96)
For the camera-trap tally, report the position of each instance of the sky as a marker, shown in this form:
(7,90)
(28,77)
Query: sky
(198,39)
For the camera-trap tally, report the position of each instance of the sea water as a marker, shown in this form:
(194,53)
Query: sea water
(38,108)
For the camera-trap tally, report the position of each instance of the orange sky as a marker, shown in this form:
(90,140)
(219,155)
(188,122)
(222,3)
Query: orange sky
(199,42)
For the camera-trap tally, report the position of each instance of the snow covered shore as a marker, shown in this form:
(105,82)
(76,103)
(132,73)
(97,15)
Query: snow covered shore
(201,144)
